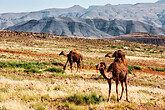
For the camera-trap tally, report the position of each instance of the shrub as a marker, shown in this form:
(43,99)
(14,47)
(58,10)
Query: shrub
(157,69)
(57,70)
(58,64)
(25,65)
(32,71)
(131,68)
(85,99)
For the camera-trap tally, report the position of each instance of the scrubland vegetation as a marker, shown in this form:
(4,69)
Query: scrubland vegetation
(32,75)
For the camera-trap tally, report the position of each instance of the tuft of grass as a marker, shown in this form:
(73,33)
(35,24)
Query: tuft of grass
(124,105)
(20,89)
(163,98)
(4,90)
(57,70)
(27,98)
(32,70)
(37,106)
(149,104)
(157,69)
(57,88)
(85,99)
(113,98)
(45,97)
(144,91)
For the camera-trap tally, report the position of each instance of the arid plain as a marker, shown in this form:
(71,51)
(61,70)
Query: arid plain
(31,75)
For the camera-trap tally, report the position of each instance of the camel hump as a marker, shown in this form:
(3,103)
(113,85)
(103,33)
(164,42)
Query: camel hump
(75,51)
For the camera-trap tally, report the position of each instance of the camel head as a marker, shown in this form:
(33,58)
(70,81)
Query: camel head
(62,53)
(100,66)
(118,60)
(116,54)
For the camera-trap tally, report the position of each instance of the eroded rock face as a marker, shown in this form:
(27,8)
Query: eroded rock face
(79,27)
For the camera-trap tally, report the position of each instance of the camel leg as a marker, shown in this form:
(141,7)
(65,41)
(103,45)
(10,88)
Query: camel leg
(71,66)
(117,82)
(126,91)
(109,82)
(65,64)
(122,89)
(117,91)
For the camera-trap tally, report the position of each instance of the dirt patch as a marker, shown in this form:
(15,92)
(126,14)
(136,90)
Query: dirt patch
(150,71)
(31,54)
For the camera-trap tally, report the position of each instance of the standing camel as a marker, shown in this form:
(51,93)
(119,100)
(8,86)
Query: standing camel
(73,56)
(118,54)
(119,73)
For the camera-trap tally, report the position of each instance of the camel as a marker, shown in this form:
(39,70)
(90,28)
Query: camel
(118,54)
(119,73)
(73,56)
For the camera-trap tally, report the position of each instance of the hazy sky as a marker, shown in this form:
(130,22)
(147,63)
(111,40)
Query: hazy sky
(35,5)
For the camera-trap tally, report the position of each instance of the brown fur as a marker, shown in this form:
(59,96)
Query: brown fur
(118,54)
(73,56)
(119,73)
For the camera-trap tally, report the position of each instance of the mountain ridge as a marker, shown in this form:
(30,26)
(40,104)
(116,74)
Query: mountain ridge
(150,13)
(83,27)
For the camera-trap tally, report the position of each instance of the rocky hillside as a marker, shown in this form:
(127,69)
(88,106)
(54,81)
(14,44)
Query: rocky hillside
(141,38)
(79,27)
(150,13)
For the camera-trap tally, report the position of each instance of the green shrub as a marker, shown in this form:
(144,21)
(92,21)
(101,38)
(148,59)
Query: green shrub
(137,68)
(57,70)
(25,65)
(58,64)
(131,68)
(85,99)
(32,71)
(157,69)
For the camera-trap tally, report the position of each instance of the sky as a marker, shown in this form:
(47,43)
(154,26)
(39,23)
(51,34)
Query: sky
(15,6)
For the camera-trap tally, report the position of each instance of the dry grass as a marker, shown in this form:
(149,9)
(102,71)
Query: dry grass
(20,90)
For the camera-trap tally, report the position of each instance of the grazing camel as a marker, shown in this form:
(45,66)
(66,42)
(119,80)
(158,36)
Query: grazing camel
(119,73)
(118,54)
(73,56)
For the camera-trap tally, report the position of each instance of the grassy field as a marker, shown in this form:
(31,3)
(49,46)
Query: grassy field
(31,75)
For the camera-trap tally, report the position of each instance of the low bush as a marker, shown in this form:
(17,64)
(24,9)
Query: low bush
(57,70)
(58,64)
(85,99)
(32,71)
(25,65)
(131,68)
(157,69)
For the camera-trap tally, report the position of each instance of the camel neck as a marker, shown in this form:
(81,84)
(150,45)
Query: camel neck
(102,71)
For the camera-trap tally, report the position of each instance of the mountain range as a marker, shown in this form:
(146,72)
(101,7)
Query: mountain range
(95,21)
(83,27)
